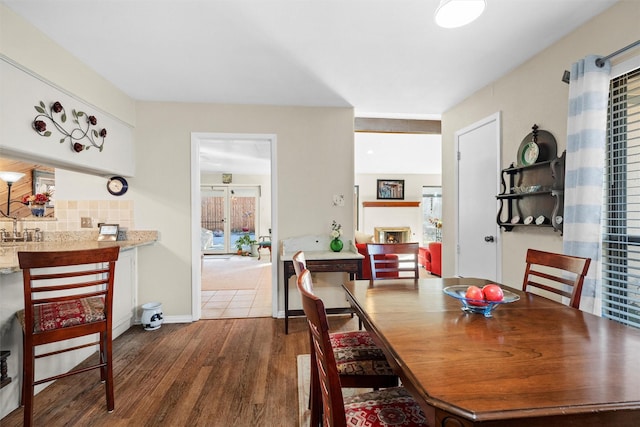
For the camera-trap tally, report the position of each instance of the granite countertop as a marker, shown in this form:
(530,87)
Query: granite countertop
(68,241)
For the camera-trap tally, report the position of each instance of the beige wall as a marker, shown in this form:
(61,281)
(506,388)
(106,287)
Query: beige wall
(314,161)
(405,217)
(314,146)
(533,93)
(23,44)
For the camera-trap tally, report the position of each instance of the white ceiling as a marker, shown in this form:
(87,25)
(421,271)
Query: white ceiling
(379,56)
(385,58)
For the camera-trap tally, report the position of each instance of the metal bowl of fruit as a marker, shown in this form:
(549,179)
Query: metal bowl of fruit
(481,300)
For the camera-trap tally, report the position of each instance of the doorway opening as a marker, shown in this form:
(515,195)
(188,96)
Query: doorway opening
(232,197)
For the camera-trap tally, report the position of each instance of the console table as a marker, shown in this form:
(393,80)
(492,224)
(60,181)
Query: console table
(318,261)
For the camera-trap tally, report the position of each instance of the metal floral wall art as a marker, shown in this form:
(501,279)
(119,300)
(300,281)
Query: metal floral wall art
(81,138)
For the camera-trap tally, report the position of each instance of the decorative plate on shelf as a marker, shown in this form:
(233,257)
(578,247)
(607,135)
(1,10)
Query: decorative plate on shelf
(530,153)
(537,146)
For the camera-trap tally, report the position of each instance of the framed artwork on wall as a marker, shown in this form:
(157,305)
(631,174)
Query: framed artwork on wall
(390,189)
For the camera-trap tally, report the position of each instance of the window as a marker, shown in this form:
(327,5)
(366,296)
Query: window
(621,237)
(431,214)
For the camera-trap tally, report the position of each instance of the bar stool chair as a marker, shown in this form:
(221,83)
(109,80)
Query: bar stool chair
(360,362)
(68,294)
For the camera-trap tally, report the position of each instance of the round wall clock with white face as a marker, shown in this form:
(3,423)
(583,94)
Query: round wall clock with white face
(117,185)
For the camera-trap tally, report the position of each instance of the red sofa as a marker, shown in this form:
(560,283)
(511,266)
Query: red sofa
(430,258)
(366,264)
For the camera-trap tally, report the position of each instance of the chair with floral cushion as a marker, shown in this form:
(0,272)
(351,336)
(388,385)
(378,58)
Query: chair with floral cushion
(67,294)
(360,362)
(381,408)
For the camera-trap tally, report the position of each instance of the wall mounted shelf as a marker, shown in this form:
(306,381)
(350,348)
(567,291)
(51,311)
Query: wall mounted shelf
(390,204)
(533,194)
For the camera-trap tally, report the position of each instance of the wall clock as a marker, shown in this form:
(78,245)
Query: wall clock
(117,185)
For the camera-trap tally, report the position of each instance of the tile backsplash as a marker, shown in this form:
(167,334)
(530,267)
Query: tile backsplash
(68,214)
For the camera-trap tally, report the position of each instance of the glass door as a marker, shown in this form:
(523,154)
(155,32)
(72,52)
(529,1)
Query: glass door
(431,214)
(228,212)
(214,225)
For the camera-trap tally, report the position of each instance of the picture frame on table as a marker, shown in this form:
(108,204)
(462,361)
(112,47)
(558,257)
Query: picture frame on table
(390,189)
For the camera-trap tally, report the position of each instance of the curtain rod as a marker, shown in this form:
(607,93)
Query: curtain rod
(600,61)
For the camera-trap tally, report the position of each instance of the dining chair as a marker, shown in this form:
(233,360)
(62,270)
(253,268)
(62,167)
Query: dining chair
(360,362)
(389,406)
(264,242)
(393,260)
(556,273)
(67,294)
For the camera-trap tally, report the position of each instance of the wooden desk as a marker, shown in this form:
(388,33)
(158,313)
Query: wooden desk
(534,363)
(320,262)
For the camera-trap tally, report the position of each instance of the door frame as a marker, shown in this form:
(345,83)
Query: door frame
(496,117)
(196,260)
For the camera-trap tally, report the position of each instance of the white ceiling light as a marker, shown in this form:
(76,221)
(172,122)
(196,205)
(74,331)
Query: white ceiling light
(456,13)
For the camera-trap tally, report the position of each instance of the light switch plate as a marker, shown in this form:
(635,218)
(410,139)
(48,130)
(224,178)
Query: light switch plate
(85,222)
(338,200)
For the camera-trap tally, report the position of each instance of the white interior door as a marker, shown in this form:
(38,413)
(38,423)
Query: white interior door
(478,167)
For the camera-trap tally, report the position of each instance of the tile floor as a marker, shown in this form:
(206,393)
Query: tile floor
(237,303)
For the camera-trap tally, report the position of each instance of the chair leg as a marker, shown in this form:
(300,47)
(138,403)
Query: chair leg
(28,377)
(109,372)
(102,355)
(315,402)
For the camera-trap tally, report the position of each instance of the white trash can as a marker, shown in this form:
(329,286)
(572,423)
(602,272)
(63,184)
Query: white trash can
(151,316)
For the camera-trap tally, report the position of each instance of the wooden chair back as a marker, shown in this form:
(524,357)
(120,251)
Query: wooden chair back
(393,260)
(332,400)
(556,273)
(299,263)
(67,278)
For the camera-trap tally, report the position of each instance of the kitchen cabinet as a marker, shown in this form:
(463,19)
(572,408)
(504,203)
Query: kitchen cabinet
(125,289)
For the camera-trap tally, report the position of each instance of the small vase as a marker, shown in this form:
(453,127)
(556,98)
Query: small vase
(336,245)
(37,210)
(151,316)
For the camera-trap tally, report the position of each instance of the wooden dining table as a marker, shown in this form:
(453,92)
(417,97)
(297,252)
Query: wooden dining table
(534,362)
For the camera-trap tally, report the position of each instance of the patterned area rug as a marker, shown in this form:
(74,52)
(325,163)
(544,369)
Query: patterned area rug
(303,363)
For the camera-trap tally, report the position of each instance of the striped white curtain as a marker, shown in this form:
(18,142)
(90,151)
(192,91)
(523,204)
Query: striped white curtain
(586,141)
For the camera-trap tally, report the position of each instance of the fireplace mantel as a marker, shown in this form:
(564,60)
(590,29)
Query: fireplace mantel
(390,204)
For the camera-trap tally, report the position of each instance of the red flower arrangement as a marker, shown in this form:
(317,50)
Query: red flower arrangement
(36,199)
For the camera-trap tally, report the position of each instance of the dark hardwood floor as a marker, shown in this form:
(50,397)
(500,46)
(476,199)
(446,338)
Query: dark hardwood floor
(231,372)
